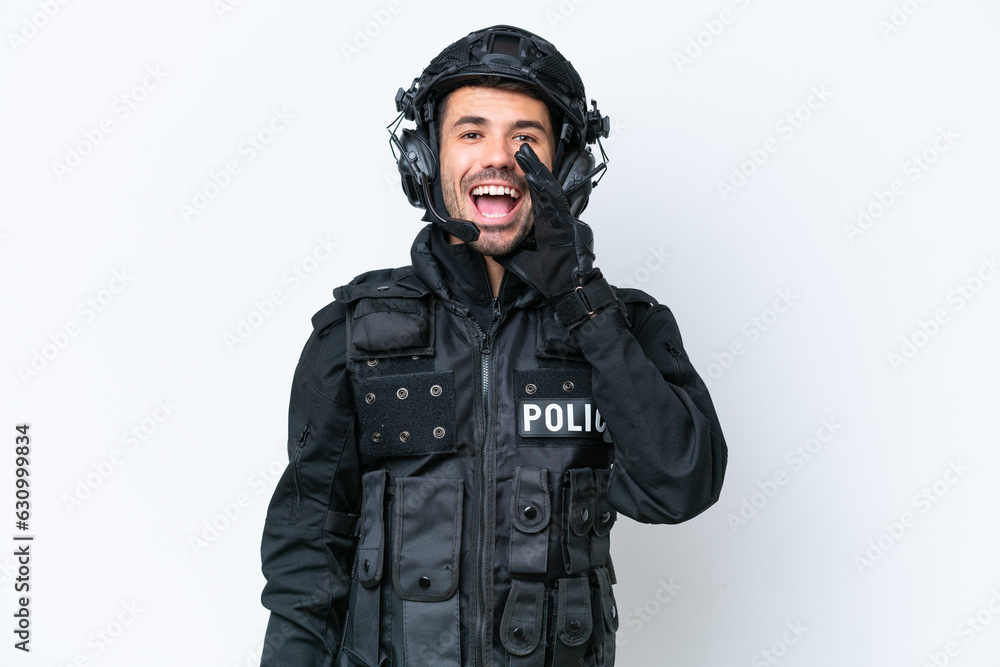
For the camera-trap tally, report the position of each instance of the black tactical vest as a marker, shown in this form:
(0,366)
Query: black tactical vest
(484,533)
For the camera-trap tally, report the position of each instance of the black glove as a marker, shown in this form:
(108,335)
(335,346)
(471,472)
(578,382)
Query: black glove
(563,257)
(561,265)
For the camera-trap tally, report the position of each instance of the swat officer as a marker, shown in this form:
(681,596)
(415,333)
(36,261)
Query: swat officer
(463,431)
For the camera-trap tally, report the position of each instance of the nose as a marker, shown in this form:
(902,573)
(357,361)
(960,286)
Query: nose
(498,153)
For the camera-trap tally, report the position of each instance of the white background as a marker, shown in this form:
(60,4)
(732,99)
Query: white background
(820,552)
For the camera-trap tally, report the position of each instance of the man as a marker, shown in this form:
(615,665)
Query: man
(464,430)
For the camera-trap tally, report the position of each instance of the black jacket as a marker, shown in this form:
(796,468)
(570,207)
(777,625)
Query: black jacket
(450,486)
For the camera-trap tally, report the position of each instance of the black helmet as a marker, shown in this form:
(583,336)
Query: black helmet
(510,53)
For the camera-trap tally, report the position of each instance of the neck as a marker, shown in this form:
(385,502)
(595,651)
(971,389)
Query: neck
(493,269)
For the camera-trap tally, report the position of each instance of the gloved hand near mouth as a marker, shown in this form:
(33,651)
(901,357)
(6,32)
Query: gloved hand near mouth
(561,265)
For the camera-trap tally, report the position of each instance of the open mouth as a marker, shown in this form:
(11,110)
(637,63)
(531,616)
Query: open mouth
(495,202)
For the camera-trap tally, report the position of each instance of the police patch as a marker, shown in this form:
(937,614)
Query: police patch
(549,418)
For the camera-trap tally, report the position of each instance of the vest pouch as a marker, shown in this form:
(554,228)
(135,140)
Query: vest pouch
(360,640)
(522,629)
(574,621)
(391,327)
(605,618)
(530,512)
(604,518)
(578,519)
(426,543)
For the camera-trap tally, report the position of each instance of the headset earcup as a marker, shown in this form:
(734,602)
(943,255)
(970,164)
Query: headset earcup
(416,163)
(573,173)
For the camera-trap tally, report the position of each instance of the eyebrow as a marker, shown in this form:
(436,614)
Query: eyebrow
(516,125)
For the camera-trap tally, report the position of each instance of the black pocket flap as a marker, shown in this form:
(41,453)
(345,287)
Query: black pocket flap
(391,327)
(371,549)
(604,514)
(521,627)
(530,508)
(610,610)
(427,536)
(574,620)
(580,511)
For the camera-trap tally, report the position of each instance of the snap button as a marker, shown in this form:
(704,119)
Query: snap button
(369,398)
(436,390)
(606,517)
(376,437)
(404,436)
(585,514)
(401,393)
(530,512)
(531,389)
(382,288)
(373,362)
(367,566)
(424,583)
(439,432)
(567,385)
(575,625)
(415,357)
(519,633)
(614,612)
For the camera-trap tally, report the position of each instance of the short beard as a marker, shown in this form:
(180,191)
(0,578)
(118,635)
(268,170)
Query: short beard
(490,247)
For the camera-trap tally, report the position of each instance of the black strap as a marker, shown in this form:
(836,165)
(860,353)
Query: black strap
(576,307)
(342,523)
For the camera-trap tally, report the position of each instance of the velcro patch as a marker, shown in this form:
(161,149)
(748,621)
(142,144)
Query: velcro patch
(550,418)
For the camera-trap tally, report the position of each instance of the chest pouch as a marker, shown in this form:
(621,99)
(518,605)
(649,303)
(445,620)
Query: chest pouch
(530,512)
(426,545)
(574,621)
(404,406)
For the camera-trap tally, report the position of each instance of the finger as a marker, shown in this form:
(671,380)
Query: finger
(529,162)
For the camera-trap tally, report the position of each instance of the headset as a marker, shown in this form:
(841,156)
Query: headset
(510,53)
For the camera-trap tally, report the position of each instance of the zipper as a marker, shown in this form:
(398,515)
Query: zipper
(296,456)
(487,481)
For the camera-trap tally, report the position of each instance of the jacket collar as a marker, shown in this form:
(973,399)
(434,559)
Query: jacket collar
(458,273)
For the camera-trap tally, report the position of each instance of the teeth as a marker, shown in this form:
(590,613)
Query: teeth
(495,190)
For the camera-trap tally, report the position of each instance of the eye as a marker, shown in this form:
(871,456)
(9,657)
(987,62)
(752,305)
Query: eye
(523,138)
(471,134)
